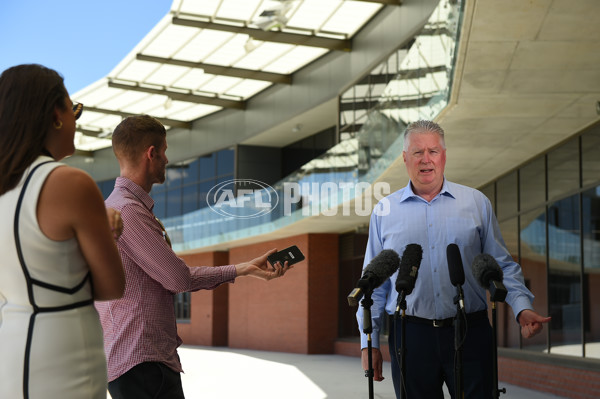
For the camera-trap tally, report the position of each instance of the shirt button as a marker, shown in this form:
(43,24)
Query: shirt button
(433,246)
(430,225)
(435,270)
(438,294)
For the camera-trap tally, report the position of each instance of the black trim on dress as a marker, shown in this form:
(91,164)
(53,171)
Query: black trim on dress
(31,282)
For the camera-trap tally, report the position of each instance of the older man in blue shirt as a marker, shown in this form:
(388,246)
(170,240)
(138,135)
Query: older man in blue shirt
(433,212)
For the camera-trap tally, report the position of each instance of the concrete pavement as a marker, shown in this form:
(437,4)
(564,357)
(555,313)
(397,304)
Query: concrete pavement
(222,373)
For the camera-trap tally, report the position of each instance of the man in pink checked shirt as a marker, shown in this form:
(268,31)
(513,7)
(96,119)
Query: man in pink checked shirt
(140,330)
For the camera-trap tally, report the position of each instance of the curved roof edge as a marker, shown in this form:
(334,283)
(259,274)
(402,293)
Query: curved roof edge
(316,84)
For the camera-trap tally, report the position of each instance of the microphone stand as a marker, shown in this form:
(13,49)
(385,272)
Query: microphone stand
(402,349)
(367,302)
(459,332)
(496,391)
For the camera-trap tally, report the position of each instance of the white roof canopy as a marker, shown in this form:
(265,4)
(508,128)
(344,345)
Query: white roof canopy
(206,55)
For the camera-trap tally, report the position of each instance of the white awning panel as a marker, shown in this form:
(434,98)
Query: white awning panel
(171,73)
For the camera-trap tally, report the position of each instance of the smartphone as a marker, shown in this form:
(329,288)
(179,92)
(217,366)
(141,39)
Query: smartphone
(291,255)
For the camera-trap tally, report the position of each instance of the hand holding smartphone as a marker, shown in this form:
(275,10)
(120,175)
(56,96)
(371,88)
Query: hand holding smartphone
(292,255)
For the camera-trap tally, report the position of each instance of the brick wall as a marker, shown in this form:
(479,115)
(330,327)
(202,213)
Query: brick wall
(548,374)
(208,321)
(555,379)
(297,313)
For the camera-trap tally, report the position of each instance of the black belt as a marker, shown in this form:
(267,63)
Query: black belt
(479,315)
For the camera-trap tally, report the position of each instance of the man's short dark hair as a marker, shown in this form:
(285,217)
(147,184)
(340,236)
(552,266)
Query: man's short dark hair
(135,134)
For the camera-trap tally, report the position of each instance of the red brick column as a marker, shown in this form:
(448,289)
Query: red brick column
(209,318)
(297,313)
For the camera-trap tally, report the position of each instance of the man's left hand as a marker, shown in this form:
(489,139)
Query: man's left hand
(531,323)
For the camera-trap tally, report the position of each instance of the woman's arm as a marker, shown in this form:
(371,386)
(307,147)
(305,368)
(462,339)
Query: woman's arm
(70,205)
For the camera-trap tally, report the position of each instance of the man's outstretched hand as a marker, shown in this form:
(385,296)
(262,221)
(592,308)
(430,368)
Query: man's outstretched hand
(259,268)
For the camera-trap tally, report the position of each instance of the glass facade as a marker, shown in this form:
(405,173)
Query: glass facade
(549,214)
(183,306)
(186,183)
(413,83)
(564,274)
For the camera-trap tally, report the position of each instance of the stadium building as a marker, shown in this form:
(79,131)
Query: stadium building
(285,122)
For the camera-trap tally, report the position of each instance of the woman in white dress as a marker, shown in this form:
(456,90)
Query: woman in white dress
(57,250)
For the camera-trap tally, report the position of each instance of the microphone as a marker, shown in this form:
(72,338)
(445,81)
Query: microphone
(489,275)
(409,268)
(457,272)
(379,269)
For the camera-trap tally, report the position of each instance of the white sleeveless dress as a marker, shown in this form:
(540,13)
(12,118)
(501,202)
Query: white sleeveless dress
(50,334)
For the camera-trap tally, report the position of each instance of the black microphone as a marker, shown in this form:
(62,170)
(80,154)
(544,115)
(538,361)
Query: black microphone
(409,268)
(457,272)
(489,275)
(378,270)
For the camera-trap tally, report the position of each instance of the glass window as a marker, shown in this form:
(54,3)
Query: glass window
(506,200)
(190,172)
(532,184)
(175,176)
(589,154)
(591,270)
(225,162)
(190,198)
(563,170)
(204,188)
(183,306)
(564,278)
(106,187)
(160,203)
(207,167)
(533,263)
(222,179)
(558,245)
(174,202)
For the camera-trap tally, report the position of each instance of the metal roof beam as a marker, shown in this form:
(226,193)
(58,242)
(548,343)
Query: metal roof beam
(89,132)
(400,104)
(175,95)
(386,2)
(164,121)
(403,74)
(271,36)
(435,31)
(222,70)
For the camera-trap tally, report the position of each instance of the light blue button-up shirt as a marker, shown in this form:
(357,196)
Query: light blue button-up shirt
(459,215)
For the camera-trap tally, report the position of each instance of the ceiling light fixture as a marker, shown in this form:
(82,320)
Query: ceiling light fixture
(273,16)
(250,45)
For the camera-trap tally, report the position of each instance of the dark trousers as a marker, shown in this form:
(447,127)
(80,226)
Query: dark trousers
(430,360)
(150,380)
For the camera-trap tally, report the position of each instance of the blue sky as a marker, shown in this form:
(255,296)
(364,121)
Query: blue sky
(82,40)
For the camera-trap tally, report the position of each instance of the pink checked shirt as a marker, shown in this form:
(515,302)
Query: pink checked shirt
(141,326)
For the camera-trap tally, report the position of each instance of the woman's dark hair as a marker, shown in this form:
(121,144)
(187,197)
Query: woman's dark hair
(28,96)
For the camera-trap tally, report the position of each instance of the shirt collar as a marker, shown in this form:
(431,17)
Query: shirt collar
(136,190)
(408,192)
